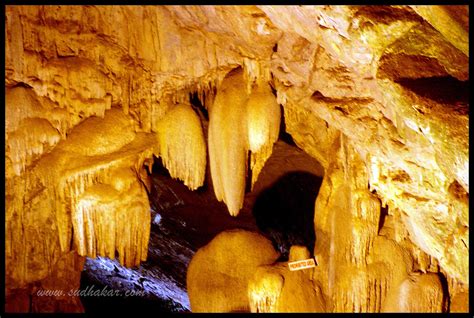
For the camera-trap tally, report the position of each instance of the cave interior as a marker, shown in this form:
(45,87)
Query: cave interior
(249,158)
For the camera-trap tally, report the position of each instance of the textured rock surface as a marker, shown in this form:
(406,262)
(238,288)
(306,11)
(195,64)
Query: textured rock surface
(219,273)
(58,292)
(228,142)
(182,145)
(356,266)
(391,80)
(426,289)
(274,288)
(240,122)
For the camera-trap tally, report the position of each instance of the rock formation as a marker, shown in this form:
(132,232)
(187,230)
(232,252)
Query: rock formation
(238,123)
(219,273)
(377,94)
(182,145)
(276,289)
(425,288)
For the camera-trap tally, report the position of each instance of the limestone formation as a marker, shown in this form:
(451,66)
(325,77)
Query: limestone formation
(219,272)
(264,291)
(417,293)
(55,293)
(182,145)
(274,288)
(240,123)
(263,124)
(228,142)
(108,219)
(460,303)
(377,94)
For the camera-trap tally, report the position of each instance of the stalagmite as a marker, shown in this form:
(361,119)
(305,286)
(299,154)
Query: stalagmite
(182,145)
(228,141)
(264,291)
(361,266)
(219,272)
(274,288)
(418,293)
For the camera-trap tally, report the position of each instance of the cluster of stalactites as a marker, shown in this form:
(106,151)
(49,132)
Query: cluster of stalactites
(168,95)
(113,218)
(182,146)
(240,122)
(94,188)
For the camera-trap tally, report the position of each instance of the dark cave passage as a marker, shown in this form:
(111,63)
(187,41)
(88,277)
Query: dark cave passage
(285,211)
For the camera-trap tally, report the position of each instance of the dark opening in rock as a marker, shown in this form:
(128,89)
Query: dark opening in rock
(285,211)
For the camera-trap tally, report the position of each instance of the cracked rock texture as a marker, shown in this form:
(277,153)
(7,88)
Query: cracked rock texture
(377,94)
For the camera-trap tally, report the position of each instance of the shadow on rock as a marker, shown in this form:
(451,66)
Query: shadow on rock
(285,211)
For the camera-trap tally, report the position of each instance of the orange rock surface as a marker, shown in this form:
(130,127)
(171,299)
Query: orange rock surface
(377,94)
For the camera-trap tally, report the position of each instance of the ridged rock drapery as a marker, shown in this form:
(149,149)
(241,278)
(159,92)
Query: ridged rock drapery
(182,145)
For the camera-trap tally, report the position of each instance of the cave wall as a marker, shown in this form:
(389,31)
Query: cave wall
(88,88)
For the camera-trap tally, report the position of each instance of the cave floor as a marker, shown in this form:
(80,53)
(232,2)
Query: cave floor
(182,222)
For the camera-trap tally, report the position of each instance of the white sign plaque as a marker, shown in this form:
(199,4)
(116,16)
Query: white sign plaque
(298,265)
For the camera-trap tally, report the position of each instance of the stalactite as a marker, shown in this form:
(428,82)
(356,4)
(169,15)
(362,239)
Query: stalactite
(228,144)
(206,90)
(204,87)
(255,71)
(61,163)
(182,145)
(107,219)
(92,151)
(263,114)
(240,121)
(263,124)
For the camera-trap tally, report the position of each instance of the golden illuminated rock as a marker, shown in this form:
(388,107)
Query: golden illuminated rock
(356,266)
(240,122)
(451,21)
(264,291)
(219,272)
(55,293)
(228,141)
(274,288)
(460,303)
(377,94)
(263,124)
(182,145)
(417,293)
(107,220)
